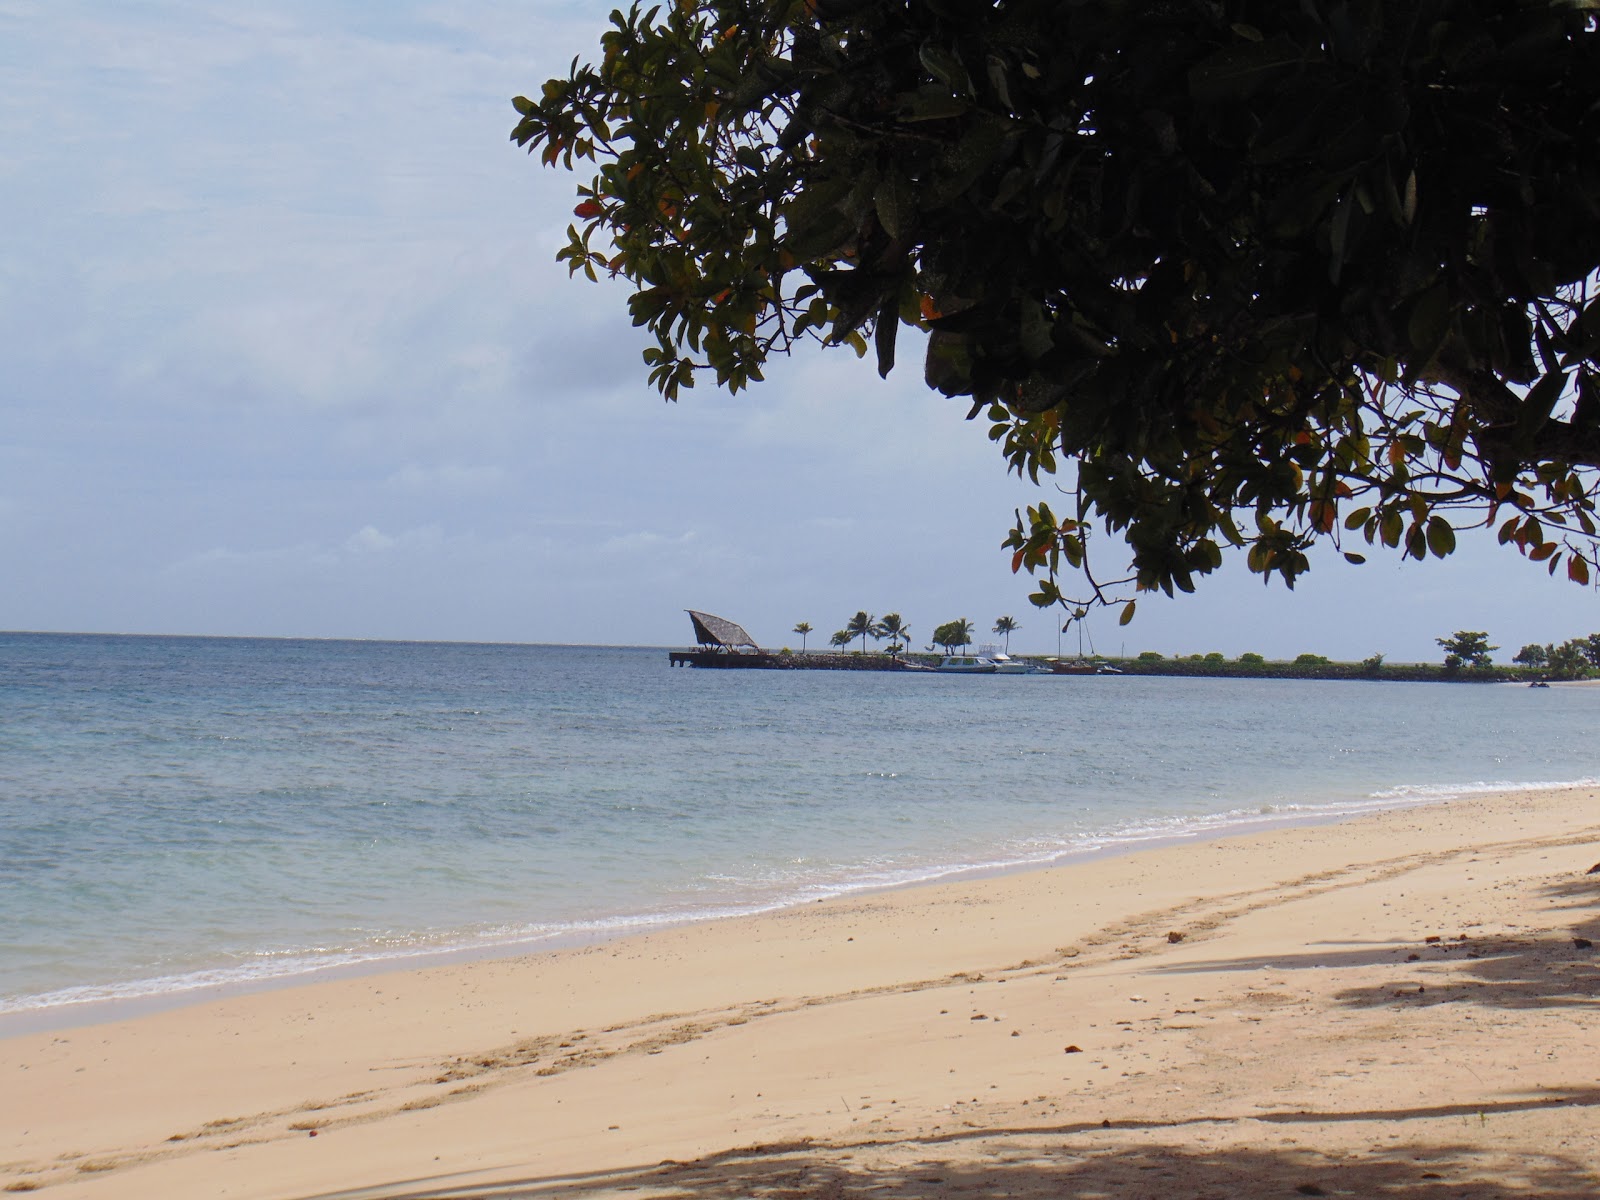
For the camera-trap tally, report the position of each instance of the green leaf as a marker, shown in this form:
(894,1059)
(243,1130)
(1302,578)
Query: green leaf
(999,80)
(945,67)
(1441,537)
(1416,542)
(1239,70)
(1537,407)
(896,203)
(1127,612)
(1390,528)
(930,103)
(1037,336)
(1429,323)
(883,337)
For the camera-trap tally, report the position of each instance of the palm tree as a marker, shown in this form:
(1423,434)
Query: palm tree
(1006,626)
(895,629)
(842,638)
(863,626)
(952,634)
(802,629)
(964,631)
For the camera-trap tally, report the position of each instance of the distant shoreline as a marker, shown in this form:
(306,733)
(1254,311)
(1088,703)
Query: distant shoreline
(1199,668)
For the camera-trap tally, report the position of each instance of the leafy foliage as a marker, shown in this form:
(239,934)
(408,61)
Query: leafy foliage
(803,628)
(1568,660)
(1005,627)
(953,634)
(896,630)
(863,625)
(1531,655)
(1241,272)
(1467,648)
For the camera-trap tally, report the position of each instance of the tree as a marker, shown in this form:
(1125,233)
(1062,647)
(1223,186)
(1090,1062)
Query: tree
(863,626)
(802,629)
(1006,626)
(1591,649)
(1531,655)
(1246,273)
(1567,661)
(1467,648)
(842,639)
(895,629)
(953,634)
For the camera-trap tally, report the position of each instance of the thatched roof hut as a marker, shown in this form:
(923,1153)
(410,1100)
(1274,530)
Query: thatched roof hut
(718,631)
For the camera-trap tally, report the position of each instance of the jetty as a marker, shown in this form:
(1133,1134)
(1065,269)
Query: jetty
(724,645)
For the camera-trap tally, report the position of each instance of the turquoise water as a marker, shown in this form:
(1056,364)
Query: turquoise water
(181,812)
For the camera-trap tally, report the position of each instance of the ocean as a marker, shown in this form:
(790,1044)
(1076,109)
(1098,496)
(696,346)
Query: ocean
(183,813)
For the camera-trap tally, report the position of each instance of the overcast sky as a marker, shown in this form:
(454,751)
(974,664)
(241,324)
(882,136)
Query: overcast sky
(284,351)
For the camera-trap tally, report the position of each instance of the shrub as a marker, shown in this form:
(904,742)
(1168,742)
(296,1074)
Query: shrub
(1150,656)
(1311,660)
(1251,657)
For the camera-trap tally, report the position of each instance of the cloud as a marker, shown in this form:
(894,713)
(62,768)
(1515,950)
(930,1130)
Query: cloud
(369,540)
(449,478)
(285,351)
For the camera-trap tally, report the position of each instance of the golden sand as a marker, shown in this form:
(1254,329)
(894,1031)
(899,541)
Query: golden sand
(1404,1004)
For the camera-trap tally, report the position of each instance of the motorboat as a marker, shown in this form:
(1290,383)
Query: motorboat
(961,664)
(1004,664)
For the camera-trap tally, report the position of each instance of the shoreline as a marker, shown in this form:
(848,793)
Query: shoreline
(1324,1005)
(59,1015)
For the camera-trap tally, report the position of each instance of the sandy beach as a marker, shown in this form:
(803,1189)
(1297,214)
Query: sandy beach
(1399,1004)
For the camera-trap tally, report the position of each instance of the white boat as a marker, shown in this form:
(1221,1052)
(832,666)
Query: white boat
(961,664)
(1004,664)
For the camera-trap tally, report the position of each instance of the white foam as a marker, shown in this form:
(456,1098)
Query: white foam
(770,895)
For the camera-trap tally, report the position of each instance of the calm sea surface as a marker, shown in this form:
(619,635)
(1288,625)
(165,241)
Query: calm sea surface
(179,812)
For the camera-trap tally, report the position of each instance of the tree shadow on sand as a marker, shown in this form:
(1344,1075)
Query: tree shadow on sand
(1555,969)
(1064,1162)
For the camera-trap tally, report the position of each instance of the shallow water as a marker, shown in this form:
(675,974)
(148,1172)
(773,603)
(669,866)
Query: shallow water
(176,812)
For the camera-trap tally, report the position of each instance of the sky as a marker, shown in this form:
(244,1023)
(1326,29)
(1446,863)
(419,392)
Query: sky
(285,351)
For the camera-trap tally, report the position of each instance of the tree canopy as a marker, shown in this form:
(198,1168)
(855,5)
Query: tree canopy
(953,634)
(1466,647)
(1236,272)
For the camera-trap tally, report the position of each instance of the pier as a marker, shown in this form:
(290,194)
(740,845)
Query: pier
(725,645)
(762,660)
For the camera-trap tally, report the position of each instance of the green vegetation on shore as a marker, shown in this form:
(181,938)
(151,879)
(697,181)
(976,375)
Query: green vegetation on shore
(1467,659)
